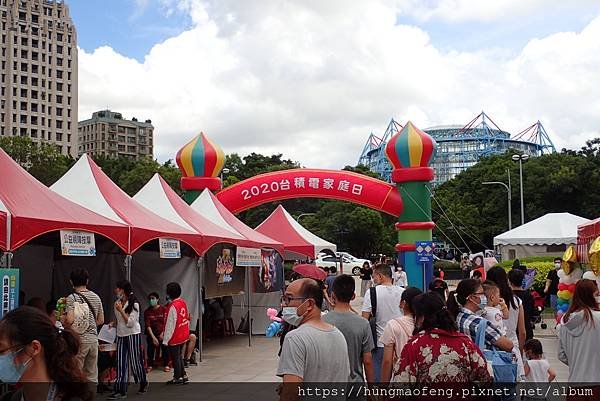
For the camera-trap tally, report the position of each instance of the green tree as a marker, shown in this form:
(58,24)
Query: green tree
(470,214)
(42,160)
(133,180)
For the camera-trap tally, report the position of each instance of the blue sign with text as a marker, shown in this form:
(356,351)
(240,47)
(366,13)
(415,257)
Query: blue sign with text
(10,290)
(424,251)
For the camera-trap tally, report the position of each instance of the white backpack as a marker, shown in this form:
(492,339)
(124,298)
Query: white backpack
(81,312)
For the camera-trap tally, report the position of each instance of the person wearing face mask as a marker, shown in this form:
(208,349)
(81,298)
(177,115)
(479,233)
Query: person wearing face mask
(551,288)
(578,335)
(315,352)
(384,301)
(155,317)
(129,341)
(438,353)
(41,358)
(467,304)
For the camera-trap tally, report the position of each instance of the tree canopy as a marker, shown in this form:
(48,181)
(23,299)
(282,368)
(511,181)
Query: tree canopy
(470,214)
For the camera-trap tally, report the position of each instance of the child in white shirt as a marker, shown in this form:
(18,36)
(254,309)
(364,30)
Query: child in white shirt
(537,368)
(496,310)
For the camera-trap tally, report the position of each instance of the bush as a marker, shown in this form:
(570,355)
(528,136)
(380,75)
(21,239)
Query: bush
(446,265)
(541,265)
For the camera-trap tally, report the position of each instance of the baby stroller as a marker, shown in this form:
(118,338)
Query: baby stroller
(539,304)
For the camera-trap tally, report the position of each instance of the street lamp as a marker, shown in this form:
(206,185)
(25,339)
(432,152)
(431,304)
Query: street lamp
(225,170)
(508,191)
(521,159)
(304,214)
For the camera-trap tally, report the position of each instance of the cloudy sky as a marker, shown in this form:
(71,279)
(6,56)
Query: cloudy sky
(312,78)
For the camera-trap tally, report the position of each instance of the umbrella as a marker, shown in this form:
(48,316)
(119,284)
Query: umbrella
(311,271)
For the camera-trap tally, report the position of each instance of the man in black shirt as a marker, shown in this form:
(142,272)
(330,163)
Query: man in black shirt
(515,279)
(552,283)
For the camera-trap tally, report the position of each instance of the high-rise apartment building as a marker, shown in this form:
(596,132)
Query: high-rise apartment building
(39,72)
(107,133)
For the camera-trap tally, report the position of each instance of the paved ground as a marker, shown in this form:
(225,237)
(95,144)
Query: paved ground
(232,360)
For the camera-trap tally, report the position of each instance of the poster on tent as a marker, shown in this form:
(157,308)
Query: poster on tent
(269,276)
(222,276)
(10,290)
(169,248)
(77,243)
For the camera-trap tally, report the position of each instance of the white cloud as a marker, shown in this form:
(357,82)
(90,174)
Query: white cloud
(312,79)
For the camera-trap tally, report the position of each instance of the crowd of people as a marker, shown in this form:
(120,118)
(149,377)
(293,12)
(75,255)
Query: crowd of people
(406,336)
(53,351)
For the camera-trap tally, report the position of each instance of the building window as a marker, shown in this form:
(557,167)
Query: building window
(59,49)
(34,120)
(23,119)
(34,107)
(59,61)
(23,80)
(59,136)
(59,98)
(24,54)
(24,67)
(23,106)
(23,131)
(59,74)
(59,86)
(59,111)
(58,124)
(23,41)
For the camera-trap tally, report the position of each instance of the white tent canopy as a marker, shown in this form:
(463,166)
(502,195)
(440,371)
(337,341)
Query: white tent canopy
(550,229)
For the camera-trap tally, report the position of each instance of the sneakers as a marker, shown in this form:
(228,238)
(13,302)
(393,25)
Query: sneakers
(180,381)
(143,388)
(186,363)
(116,396)
(192,360)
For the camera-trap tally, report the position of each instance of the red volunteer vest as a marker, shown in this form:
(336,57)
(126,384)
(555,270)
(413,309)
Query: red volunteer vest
(182,326)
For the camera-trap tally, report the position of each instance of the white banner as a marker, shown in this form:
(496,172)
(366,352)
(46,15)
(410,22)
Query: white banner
(248,257)
(169,248)
(77,243)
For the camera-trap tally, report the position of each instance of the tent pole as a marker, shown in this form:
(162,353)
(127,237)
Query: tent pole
(128,268)
(249,307)
(200,265)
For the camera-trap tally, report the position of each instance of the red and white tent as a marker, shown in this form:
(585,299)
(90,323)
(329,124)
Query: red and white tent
(160,198)
(297,240)
(211,208)
(29,209)
(86,184)
(586,234)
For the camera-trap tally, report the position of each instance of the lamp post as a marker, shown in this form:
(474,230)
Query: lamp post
(225,170)
(304,214)
(521,159)
(508,191)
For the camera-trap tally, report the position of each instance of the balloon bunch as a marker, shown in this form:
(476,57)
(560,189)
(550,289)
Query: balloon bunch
(594,256)
(568,276)
(276,323)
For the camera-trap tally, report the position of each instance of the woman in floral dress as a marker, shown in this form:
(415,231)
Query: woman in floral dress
(438,352)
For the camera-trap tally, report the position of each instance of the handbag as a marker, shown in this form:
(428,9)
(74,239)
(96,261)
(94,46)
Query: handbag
(504,365)
(373,317)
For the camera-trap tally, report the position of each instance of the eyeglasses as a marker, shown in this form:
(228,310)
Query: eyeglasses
(285,299)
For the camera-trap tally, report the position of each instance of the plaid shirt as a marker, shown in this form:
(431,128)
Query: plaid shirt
(468,322)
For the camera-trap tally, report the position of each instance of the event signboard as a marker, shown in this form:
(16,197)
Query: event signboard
(248,257)
(10,290)
(222,277)
(169,248)
(269,277)
(298,183)
(77,243)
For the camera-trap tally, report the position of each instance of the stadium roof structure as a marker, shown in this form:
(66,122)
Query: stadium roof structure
(460,147)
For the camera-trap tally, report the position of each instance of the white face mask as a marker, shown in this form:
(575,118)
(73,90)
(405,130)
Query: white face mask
(557,266)
(598,299)
(290,315)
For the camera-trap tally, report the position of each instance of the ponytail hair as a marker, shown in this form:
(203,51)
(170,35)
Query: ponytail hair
(434,314)
(26,324)
(128,290)
(457,299)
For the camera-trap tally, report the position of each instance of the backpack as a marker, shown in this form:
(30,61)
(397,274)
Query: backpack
(373,317)
(81,312)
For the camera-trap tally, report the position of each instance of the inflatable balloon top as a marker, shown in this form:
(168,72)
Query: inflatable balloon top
(200,162)
(568,276)
(594,257)
(411,148)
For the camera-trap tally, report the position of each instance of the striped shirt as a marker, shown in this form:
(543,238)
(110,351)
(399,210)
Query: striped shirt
(468,322)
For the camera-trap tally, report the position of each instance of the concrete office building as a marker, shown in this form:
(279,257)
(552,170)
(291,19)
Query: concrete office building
(107,133)
(39,72)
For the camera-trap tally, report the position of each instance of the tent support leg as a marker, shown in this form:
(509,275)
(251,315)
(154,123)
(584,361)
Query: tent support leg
(127,264)
(249,307)
(200,265)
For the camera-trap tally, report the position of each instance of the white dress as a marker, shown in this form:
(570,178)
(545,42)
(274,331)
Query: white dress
(511,332)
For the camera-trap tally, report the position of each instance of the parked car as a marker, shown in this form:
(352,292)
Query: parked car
(348,265)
